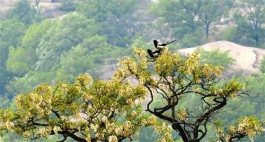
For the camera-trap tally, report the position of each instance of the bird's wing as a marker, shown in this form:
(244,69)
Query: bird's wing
(150,53)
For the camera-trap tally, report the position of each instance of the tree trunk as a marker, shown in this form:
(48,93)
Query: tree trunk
(37,3)
(207,27)
(177,127)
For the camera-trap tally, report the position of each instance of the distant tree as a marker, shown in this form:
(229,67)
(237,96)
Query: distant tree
(176,80)
(61,36)
(11,32)
(189,18)
(118,19)
(249,20)
(262,65)
(181,16)
(216,58)
(212,11)
(20,60)
(24,12)
(58,49)
(87,57)
(68,5)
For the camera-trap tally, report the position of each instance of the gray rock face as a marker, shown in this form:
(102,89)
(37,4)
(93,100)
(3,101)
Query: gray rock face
(247,59)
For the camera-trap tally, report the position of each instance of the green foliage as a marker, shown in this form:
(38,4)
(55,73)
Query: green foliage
(187,19)
(86,110)
(24,12)
(29,81)
(216,58)
(10,35)
(181,21)
(20,60)
(63,108)
(179,80)
(212,11)
(12,32)
(256,85)
(36,33)
(86,57)
(249,22)
(245,126)
(262,65)
(68,5)
(228,34)
(58,49)
(116,18)
(61,37)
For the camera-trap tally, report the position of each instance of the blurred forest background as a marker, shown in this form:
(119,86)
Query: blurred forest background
(49,41)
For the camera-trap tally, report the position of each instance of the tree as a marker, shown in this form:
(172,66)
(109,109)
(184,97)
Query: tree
(212,11)
(181,17)
(63,35)
(91,54)
(98,110)
(117,18)
(56,50)
(68,5)
(11,34)
(20,60)
(178,79)
(262,65)
(24,12)
(249,20)
(187,19)
(246,126)
(86,110)
(216,57)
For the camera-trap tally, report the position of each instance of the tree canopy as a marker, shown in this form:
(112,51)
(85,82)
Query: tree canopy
(187,94)
(91,110)
(84,111)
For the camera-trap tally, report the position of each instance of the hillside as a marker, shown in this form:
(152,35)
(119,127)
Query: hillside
(247,59)
(48,9)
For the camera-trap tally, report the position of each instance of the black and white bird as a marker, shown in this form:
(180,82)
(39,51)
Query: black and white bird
(160,48)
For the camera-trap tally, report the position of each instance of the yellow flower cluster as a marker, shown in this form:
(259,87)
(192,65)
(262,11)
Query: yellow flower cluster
(165,132)
(249,125)
(43,132)
(127,129)
(9,125)
(191,63)
(113,139)
(167,63)
(182,114)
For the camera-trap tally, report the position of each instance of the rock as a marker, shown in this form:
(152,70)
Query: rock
(247,59)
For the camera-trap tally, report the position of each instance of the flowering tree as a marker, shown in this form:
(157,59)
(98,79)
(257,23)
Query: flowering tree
(110,110)
(84,111)
(173,80)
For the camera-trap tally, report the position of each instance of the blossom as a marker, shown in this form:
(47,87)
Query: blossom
(9,125)
(26,134)
(118,130)
(88,138)
(113,139)
(43,132)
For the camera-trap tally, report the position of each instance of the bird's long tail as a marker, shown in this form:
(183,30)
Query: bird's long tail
(171,41)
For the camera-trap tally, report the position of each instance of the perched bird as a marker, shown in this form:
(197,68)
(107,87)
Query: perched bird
(160,48)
